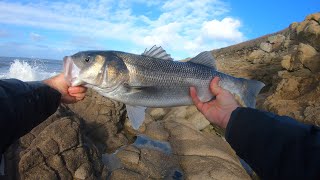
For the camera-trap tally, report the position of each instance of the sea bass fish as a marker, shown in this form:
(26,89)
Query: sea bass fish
(152,79)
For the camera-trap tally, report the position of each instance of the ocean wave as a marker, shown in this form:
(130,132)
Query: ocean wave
(27,71)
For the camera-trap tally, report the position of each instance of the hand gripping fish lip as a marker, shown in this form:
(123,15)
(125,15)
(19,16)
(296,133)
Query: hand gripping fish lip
(71,72)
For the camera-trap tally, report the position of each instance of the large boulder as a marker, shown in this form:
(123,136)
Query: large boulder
(308,31)
(55,150)
(203,155)
(309,57)
(104,120)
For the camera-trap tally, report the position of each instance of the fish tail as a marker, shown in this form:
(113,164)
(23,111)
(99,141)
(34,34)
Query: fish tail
(249,91)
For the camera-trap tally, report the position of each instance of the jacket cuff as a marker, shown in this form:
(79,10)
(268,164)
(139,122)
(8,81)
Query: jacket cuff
(233,116)
(241,129)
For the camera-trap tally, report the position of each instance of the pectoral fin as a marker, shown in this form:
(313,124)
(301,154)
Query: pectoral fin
(136,115)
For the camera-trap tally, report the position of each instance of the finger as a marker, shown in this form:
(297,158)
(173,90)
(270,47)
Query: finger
(78,95)
(79,98)
(68,99)
(77,89)
(195,99)
(214,86)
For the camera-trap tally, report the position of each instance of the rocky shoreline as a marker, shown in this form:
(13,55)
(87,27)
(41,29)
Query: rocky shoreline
(71,143)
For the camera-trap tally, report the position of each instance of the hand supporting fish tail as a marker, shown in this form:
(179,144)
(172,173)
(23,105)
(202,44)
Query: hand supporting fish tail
(218,110)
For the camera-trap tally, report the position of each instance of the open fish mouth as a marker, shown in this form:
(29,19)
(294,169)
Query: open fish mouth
(71,72)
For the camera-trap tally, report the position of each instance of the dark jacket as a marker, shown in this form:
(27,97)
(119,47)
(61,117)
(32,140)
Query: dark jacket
(22,107)
(276,147)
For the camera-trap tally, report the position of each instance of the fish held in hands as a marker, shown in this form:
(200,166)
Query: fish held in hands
(152,79)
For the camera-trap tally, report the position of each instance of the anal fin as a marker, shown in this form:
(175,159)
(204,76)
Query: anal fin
(136,115)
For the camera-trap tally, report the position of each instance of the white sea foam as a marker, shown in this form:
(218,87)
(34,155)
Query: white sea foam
(27,71)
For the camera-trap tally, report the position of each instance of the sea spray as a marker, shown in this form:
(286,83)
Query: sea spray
(29,69)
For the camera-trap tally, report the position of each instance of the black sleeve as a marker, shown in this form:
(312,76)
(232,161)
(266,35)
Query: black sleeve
(276,147)
(22,107)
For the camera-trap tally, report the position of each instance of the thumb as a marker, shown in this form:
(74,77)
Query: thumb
(214,86)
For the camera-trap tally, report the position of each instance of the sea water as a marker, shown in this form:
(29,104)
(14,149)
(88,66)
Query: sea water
(29,69)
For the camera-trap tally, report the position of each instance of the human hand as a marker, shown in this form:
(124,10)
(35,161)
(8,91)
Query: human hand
(68,94)
(217,111)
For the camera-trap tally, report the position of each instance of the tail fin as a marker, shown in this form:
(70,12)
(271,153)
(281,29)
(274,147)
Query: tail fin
(250,89)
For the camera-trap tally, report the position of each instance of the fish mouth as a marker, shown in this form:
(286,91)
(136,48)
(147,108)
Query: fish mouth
(71,72)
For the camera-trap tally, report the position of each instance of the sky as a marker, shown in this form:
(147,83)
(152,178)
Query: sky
(184,28)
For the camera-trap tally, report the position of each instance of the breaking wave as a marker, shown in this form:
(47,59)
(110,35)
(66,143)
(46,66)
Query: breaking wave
(27,70)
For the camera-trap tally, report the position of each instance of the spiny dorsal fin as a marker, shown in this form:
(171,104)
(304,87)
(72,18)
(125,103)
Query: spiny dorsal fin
(157,52)
(205,58)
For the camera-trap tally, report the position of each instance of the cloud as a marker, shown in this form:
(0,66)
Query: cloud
(181,26)
(36,37)
(226,29)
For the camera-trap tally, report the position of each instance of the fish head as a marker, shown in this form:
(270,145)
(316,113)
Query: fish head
(98,68)
(83,68)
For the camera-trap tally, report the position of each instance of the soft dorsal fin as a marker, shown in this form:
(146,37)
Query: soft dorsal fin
(205,58)
(157,52)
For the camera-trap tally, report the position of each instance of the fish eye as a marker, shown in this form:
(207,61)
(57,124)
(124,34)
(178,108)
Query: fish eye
(87,59)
